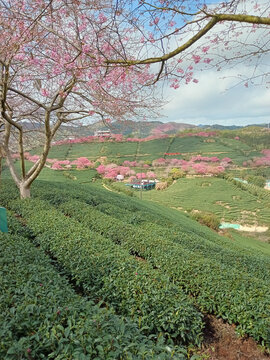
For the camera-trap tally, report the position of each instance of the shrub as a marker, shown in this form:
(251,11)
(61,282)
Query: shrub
(107,271)
(208,219)
(162,185)
(120,188)
(177,173)
(43,318)
(256,180)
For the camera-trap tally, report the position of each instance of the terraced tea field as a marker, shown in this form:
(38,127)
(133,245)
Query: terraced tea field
(215,195)
(93,274)
(154,149)
(152,265)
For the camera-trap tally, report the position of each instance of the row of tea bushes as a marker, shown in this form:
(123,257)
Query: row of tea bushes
(251,188)
(120,208)
(41,317)
(107,271)
(218,248)
(117,230)
(188,233)
(218,287)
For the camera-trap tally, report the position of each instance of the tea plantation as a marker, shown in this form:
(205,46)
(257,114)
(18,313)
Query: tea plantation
(219,196)
(90,274)
(153,149)
(87,273)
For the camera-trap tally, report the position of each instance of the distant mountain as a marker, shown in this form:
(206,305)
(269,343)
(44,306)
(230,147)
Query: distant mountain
(171,128)
(231,127)
(220,127)
(128,128)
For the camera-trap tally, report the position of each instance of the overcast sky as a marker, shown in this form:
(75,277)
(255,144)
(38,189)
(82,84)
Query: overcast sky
(217,100)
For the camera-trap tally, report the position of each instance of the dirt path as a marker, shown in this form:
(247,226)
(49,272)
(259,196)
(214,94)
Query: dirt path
(253,228)
(222,343)
(106,187)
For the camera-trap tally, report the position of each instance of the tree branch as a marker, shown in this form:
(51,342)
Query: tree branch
(27,97)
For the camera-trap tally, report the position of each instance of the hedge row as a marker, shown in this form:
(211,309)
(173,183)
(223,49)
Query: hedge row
(120,208)
(107,271)
(219,286)
(251,188)
(188,233)
(118,231)
(220,249)
(41,317)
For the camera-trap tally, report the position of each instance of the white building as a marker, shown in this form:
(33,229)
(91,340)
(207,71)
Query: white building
(103,133)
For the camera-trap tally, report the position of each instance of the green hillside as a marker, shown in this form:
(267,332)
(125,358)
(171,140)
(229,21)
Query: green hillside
(102,275)
(153,149)
(216,195)
(128,252)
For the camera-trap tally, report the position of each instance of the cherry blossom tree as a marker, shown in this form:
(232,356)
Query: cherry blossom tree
(82,163)
(189,35)
(54,70)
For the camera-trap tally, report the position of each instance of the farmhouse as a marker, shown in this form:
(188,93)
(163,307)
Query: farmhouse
(120,177)
(103,133)
(142,184)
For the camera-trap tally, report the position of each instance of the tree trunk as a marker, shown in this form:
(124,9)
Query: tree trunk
(24,191)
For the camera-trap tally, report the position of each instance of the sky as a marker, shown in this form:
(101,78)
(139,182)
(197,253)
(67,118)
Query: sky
(217,98)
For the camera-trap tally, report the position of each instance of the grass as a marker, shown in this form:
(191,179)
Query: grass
(248,242)
(214,195)
(154,149)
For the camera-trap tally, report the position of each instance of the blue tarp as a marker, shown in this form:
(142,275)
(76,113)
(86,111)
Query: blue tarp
(229,226)
(241,180)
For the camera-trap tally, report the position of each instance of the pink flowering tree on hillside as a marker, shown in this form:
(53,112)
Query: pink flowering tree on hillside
(82,163)
(43,86)
(260,161)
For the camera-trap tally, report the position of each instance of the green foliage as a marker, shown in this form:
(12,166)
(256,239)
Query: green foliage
(262,194)
(108,272)
(176,174)
(208,219)
(121,188)
(42,318)
(254,136)
(210,281)
(118,237)
(227,198)
(256,180)
(220,278)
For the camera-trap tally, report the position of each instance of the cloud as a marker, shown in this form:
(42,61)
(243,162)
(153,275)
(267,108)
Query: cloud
(218,98)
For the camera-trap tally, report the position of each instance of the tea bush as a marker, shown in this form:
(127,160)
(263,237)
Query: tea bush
(41,317)
(208,219)
(222,287)
(107,271)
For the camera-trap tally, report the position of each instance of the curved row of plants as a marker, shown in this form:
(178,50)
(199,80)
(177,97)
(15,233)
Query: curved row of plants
(41,316)
(251,188)
(107,271)
(188,233)
(218,286)
(179,229)
(232,255)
